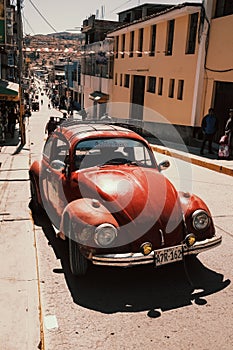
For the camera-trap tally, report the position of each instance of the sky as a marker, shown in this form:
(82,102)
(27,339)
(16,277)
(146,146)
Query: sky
(49,16)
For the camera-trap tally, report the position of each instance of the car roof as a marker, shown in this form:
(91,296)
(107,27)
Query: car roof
(75,130)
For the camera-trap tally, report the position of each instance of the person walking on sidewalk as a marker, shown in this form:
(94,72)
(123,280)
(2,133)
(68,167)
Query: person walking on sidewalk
(209,127)
(12,120)
(229,131)
(50,126)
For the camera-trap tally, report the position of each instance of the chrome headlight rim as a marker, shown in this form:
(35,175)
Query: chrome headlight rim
(101,230)
(198,226)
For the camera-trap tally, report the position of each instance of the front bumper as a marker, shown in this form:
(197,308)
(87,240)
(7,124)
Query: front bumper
(134,259)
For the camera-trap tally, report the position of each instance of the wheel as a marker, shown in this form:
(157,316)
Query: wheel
(78,263)
(35,205)
(39,215)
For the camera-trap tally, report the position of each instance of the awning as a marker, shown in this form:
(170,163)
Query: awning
(99,97)
(9,91)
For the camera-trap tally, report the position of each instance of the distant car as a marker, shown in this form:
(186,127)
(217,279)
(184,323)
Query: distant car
(35,106)
(104,192)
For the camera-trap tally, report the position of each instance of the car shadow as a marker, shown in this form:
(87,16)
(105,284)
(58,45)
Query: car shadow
(110,290)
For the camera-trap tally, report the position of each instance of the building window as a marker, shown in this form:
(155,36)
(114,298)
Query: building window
(151,84)
(170,37)
(115,78)
(153,40)
(79,74)
(192,33)
(140,42)
(123,46)
(223,8)
(180,89)
(160,88)
(121,79)
(171,88)
(131,45)
(117,46)
(126,82)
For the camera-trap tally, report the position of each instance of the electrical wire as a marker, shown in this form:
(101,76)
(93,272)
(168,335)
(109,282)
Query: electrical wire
(25,20)
(118,7)
(38,11)
(219,70)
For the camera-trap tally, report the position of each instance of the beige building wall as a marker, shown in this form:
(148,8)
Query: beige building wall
(219,62)
(91,84)
(178,66)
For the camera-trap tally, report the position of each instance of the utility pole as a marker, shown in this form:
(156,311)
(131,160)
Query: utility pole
(20,70)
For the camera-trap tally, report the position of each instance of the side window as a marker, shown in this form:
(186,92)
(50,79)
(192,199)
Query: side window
(48,147)
(142,156)
(60,150)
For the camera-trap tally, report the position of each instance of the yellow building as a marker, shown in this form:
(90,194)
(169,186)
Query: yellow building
(170,67)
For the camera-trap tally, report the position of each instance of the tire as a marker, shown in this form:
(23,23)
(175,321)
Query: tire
(78,263)
(39,215)
(35,205)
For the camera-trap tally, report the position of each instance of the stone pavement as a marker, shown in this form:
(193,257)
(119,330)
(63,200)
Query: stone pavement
(19,299)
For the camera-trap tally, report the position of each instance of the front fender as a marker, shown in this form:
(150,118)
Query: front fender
(34,175)
(83,212)
(190,203)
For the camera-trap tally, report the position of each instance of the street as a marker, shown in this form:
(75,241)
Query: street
(176,307)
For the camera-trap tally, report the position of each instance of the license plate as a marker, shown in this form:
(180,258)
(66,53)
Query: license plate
(168,255)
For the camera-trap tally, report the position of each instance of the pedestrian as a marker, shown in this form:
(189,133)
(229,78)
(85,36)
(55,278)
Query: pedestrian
(50,126)
(2,127)
(12,119)
(229,131)
(27,113)
(209,127)
(83,113)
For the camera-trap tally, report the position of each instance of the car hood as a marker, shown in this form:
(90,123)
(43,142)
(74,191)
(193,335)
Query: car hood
(133,194)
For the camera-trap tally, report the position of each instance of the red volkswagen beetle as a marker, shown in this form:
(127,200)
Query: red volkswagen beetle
(104,192)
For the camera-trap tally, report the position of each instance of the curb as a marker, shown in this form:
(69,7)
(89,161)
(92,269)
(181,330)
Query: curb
(195,161)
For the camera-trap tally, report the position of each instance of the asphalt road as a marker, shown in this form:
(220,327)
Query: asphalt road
(176,307)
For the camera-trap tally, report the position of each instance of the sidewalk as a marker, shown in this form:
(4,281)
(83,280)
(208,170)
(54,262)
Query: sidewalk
(19,300)
(192,154)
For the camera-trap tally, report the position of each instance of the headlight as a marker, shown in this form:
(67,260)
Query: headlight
(201,220)
(105,235)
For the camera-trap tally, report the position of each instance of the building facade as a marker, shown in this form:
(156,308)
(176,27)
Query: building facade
(171,66)
(96,65)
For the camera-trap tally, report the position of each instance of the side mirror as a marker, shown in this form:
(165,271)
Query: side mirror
(57,165)
(164,165)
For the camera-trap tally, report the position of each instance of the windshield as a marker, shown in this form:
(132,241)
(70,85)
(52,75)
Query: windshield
(102,152)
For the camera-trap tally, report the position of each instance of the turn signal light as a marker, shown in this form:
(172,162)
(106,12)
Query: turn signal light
(146,248)
(190,240)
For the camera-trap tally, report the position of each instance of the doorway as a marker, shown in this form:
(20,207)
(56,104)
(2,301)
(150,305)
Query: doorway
(222,103)
(137,101)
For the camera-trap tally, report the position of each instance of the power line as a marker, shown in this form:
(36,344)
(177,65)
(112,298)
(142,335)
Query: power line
(25,20)
(38,11)
(118,7)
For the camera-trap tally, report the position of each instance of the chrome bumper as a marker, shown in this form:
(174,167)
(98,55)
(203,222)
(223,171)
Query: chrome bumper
(134,259)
